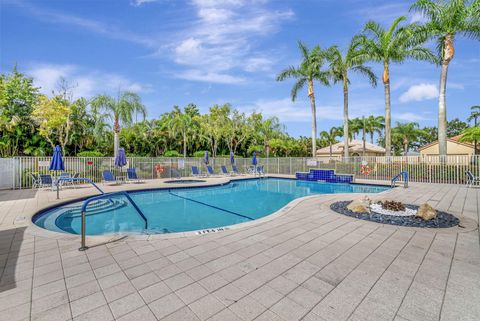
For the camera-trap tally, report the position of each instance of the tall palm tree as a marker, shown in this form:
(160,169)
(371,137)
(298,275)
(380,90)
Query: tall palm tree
(406,133)
(374,124)
(307,72)
(474,115)
(121,110)
(446,19)
(340,67)
(330,137)
(396,44)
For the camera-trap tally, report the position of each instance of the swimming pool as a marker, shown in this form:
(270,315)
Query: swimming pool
(189,209)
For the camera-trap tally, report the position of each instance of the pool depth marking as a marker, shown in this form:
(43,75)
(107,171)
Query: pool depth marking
(213,206)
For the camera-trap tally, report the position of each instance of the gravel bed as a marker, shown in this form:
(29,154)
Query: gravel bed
(443,220)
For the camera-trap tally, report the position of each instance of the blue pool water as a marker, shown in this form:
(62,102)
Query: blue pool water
(189,209)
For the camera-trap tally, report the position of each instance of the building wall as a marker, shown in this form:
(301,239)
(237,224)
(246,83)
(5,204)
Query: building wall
(452,149)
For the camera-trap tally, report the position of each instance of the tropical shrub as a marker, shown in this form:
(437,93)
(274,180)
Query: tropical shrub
(172,153)
(90,153)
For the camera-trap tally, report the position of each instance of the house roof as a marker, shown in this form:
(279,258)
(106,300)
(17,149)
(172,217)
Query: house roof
(453,139)
(353,146)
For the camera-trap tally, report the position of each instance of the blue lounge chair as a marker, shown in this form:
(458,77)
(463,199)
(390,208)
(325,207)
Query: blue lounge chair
(132,175)
(235,170)
(108,177)
(35,180)
(195,171)
(260,170)
(472,179)
(46,180)
(225,171)
(210,171)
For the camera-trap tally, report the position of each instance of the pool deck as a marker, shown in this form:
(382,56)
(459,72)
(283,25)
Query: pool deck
(305,262)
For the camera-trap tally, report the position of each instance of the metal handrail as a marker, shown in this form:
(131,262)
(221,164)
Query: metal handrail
(84,179)
(96,198)
(404,175)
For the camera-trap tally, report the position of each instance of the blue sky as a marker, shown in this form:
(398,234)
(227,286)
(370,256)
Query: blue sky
(211,51)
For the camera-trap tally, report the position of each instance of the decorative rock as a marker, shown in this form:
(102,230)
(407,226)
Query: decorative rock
(360,206)
(426,212)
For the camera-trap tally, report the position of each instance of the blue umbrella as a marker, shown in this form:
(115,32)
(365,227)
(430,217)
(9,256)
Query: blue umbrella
(254,159)
(56,164)
(121,159)
(232,158)
(205,160)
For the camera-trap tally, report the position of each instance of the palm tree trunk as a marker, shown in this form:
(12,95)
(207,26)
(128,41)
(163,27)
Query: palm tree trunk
(116,138)
(330,149)
(364,139)
(388,120)
(314,117)
(371,137)
(442,112)
(448,52)
(345,118)
(184,145)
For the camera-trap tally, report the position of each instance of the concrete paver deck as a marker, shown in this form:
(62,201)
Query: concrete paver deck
(306,263)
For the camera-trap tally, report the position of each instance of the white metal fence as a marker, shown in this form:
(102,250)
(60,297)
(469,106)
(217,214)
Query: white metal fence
(16,172)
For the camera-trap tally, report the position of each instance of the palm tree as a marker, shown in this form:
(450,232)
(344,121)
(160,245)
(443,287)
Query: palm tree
(374,124)
(474,115)
(446,19)
(307,72)
(330,137)
(341,66)
(121,110)
(354,127)
(406,133)
(183,123)
(396,44)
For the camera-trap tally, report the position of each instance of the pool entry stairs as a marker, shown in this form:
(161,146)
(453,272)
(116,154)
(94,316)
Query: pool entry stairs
(324,175)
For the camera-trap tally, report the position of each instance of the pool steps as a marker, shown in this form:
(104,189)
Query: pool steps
(324,175)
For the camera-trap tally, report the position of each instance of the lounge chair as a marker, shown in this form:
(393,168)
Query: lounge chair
(196,171)
(175,173)
(472,179)
(132,176)
(108,177)
(235,170)
(260,170)
(70,182)
(225,171)
(46,180)
(210,171)
(35,180)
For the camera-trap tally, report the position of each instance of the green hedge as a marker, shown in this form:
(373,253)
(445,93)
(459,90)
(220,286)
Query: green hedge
(90,153)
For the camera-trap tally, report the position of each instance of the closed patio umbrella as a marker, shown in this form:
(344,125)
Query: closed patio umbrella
(121,159)
(232,158)
(254,159)
(56,164)
(205,159)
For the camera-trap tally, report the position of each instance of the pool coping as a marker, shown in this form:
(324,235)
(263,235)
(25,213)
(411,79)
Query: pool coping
(34,229)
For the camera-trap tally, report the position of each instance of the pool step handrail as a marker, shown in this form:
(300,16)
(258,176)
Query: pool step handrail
(78,179)
(103,196)
(403,175)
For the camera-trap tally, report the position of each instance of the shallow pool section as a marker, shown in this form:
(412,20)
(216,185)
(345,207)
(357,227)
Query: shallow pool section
(190,209)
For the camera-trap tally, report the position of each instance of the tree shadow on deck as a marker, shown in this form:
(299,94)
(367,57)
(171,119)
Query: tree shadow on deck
(17,194)
(14,251)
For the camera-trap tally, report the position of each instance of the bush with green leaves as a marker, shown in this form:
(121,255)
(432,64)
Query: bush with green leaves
(90,153)
(172,153)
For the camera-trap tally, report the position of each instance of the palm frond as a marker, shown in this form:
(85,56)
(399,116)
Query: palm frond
(367,72)
(299,84)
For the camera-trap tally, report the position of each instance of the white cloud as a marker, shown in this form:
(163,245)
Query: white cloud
(288,111)
(85,83)
(138,3)
(219,41)
(419,92)
(212,77)
(410,117)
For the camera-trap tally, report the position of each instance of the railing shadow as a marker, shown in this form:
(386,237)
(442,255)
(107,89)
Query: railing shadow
(14,252)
